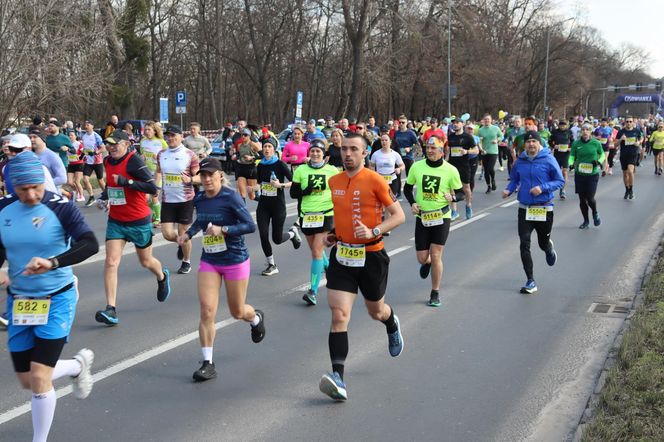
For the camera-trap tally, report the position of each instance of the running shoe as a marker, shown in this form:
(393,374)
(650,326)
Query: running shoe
(488,190)
(551,255)
(563,195)
(180,253)
(631,194)
(270,270)
(185,268)
(296,239)
(434,300)
(530,287)
(604,173)
(493,186)
(164,287)
(455,215)
(206,372)
(79,197)
(82,384)
(584,225)
(4,321)
(332,385)
(626,194)
(596,219)
(425,269)
(395,340)
(610,170)
(258,330)
(108,316)
(310,297)
(501,168)
(469,212)
(90,201)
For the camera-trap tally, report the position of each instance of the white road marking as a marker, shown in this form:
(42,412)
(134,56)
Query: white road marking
(511,203)
(468,221)
(120,366)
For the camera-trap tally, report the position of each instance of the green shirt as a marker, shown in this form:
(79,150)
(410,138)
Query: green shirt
(488,134)
(583,154)
(544,134)
(320,199)
(55,142)
(433,183)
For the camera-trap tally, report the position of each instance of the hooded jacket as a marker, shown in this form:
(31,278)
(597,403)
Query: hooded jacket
(543,171)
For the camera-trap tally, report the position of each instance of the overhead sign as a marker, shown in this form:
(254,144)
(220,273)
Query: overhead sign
(163,110)
(298,105)
(180,102)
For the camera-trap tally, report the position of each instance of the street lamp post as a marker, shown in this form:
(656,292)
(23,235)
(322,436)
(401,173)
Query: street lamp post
(449,58)
(546,73)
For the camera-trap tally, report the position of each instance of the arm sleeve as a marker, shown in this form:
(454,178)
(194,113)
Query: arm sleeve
(572,155)
(601,153)
(296,192)
(143,179)
(84,247)
(408,193)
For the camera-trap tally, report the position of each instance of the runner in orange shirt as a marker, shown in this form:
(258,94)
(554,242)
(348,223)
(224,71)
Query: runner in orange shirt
(358,259)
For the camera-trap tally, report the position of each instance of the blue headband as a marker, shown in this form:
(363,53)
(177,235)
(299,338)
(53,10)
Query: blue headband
(26,169)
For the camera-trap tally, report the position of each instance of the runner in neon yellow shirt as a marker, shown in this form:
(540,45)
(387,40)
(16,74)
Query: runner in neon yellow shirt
(657,140)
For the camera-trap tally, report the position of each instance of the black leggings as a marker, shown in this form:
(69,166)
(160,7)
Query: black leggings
(489,161)
(543,229)
(612,155)
(473,163)
(586,200)
(502,154)
(277,213)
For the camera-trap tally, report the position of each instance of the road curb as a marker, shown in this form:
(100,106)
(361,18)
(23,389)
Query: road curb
(591,406)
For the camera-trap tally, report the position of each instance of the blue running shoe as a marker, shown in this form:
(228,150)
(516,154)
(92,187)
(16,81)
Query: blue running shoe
(529,288)
(469,212)
(108,316)
(310,297)
(395,340)
(455,215)
(164,287)
(584,225)
(332,385)
(551,255)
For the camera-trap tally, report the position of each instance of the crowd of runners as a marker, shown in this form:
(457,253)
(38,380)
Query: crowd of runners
(348,178)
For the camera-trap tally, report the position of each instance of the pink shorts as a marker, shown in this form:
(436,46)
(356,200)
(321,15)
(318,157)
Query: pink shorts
(235,272)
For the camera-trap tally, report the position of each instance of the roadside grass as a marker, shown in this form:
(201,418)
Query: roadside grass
(631,404)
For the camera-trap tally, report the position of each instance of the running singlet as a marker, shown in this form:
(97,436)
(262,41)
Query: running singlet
(92,144)
(173,163)
(125,203)
(225,209)
(54,221)
(150,148)
(320,199)
(432,185)
(359,199)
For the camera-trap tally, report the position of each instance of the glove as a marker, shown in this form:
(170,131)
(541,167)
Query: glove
(595,163)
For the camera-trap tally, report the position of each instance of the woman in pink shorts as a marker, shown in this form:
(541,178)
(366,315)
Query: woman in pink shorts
(223,217)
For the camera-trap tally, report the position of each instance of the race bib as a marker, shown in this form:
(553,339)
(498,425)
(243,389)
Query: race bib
(586,168)
(313,220)
(403,151)
(387,178)
(172,180)
(214,243)
(536,214)
(630,141)
(432,218)
(72,157)
(30,311)
(456,152)
(116,196)
(563,147)
(603,140)
(267,189)
(351,255)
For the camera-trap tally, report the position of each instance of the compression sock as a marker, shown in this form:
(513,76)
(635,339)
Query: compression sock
(390,323)
(43,409)
(66,367)
(316,272)
(338,344)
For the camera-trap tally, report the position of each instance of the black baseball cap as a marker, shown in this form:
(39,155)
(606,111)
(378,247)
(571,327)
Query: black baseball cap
(174,129)
(384,128)
(532,135)
(116,137)
(209,165)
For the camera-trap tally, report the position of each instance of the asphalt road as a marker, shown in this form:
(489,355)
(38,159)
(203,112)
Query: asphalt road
(490,365)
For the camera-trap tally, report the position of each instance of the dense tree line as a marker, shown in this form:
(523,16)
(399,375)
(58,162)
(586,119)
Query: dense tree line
(247,58)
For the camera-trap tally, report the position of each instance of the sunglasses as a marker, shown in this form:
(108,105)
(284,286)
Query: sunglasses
(15,149)
(360,127)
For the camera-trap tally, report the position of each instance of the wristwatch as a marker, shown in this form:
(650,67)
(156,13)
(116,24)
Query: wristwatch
(54,263)
(376,232)
(224,229)
(130,182)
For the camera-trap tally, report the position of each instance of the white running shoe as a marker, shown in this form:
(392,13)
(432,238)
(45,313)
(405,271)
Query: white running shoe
(82,383)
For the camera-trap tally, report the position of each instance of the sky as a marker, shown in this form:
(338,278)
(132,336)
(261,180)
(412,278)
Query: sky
(641,29)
